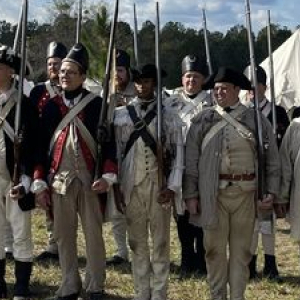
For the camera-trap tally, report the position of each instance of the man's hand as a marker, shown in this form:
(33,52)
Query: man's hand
(280,210)
(43,200)
(100,186)
(193,206)
(266,203)
(166,197)
(17,192)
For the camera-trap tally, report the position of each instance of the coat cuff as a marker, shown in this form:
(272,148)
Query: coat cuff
(38,186)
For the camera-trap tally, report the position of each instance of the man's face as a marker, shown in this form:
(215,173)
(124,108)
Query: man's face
(145,88)
(53,66)
(261,90)
(122,78)
(226,94)
(6,73)
(70,77)
(192,82)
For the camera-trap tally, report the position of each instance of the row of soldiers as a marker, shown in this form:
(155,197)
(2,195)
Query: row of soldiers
(210,163)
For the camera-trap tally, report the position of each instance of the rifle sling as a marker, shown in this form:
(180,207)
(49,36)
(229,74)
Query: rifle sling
(141,129)
(69,117)
(3,115)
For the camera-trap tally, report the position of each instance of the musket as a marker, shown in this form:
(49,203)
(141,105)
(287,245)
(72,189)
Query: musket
(271,76)
(159,102)
(135,38)
(17,132)
(258,118)
(79,20)
(18,32)
(207,52)
(102,131)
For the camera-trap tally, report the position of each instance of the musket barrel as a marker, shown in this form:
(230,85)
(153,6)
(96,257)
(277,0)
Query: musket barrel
(260,145)
(207,51)
(18,31)
(79,20)
(135,38)
(102,124)
(17,135)
(271,76)
(159,100)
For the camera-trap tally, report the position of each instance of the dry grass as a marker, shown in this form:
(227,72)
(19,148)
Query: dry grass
(46,278)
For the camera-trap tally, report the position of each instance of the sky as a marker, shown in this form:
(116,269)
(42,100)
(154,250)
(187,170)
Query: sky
(221,15)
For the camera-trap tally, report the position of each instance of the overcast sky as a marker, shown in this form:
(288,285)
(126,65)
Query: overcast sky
(220,14)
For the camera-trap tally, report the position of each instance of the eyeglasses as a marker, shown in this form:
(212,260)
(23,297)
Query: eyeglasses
(69,73)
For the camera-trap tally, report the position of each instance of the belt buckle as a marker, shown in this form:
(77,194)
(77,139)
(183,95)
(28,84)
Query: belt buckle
(139,125)
(237,177)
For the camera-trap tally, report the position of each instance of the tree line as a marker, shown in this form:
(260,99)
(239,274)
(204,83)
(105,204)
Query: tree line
(230,48)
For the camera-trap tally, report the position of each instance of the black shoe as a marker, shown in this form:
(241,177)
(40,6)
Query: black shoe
(253,275)
(9,255)
(3,290)
(96,296)
(44,256)
(270,270)
(116,260)
(69,297)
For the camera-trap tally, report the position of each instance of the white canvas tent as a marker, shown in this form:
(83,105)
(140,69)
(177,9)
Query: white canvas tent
(286,61)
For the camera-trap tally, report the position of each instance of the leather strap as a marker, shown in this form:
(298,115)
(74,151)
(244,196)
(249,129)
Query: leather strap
(141,129)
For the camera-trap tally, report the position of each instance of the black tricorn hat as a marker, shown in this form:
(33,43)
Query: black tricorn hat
(225,74)
(260,74)
(122,59)
(147,71)
(192,63)
(56,49)
(78,55)
(8,57)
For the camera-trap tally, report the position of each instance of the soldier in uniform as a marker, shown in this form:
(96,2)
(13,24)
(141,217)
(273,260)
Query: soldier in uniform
(69,126)
(290,185)
(40,95)
(16,201)
(125,92)
(219,185)
(135,128)
(266,227)
(190,100)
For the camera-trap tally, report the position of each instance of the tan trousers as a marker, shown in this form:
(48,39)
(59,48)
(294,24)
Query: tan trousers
(236,215)
(20,225)
(52,246)
(119,229)
(66,208)
(144,215)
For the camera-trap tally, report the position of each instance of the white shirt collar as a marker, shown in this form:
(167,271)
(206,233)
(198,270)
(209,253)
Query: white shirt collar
(4,96)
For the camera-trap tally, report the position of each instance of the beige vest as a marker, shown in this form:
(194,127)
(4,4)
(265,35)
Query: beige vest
(72,165)
(237,157)
(145,161)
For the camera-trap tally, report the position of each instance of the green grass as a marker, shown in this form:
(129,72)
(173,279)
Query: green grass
(119,286)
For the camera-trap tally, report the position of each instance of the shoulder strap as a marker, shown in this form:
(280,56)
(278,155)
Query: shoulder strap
(7,108)
(3,115)
(69,116)
(141,129)
(221,124)
(88,138)
(241,129)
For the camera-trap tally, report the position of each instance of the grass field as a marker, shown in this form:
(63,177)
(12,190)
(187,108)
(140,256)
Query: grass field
(46,278)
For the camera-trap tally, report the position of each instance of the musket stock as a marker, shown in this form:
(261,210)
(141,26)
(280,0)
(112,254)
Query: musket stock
(261,177)
(102,131)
